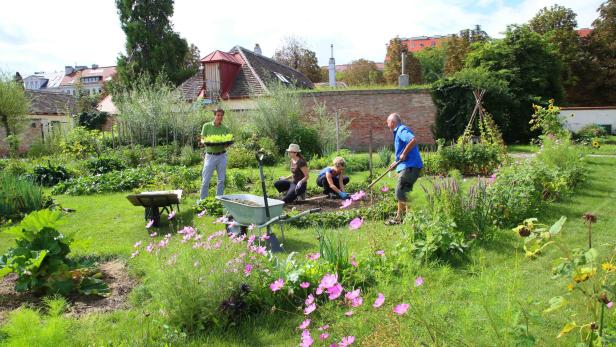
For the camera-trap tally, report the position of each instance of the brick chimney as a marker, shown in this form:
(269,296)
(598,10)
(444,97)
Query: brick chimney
(258,49)
(68,70)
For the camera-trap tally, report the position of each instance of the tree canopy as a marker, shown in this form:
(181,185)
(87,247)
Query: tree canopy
(393,63)
(13,104)
(362,72)
(294,53)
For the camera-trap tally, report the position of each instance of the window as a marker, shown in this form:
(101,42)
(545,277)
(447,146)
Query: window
(282,78)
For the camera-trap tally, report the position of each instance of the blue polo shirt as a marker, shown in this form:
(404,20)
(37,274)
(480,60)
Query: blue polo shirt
(402,136)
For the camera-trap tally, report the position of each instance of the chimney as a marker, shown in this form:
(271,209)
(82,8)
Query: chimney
(258,49)
(403,79)
(332,69)
(80,67)
(94,66)
(68,70)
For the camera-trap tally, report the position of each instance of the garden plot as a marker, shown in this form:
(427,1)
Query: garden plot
(330,205)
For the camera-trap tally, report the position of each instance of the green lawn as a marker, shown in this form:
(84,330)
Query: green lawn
(476,303)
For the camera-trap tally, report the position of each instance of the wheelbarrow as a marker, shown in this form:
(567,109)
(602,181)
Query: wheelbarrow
(153,201)
(262,212)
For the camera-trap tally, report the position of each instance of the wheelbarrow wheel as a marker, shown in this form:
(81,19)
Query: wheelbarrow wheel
(152,213)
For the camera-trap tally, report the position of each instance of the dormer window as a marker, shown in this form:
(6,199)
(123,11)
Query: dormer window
(282,78)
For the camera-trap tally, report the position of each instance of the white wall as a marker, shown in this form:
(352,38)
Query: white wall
(576,118)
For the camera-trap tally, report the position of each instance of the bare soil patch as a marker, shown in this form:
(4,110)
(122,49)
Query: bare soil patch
(114,273)
(328,205)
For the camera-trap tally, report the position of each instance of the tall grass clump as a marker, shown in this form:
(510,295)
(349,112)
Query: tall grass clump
(18,196)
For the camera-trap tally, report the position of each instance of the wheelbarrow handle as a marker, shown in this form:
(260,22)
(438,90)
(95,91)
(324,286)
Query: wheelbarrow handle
(285,218)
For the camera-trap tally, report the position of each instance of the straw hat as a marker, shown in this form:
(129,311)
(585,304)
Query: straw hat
(294,148)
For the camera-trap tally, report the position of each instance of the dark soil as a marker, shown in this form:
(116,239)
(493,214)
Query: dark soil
(114,274)
(328,205)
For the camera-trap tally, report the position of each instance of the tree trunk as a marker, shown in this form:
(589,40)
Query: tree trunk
(5,124)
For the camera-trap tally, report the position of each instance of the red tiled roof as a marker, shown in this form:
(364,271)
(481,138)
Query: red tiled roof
(584,32)
(221,56)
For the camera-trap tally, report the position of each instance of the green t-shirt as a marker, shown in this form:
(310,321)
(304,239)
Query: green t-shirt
(208,130)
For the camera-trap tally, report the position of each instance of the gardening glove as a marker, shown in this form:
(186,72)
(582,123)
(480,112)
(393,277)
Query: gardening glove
(343,195)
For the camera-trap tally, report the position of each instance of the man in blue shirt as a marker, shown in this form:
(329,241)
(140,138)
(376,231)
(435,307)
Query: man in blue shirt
(408,163)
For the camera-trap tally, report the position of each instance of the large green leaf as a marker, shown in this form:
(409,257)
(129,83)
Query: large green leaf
(557,227)
(93,286)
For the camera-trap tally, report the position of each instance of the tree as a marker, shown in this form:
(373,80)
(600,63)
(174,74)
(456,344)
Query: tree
(393,63)
(362,72)
(527,62)
(432,61)
(294,53)
(192,61)
(152,47)
(458,47)
(557,24)
(602,46)
(13,104)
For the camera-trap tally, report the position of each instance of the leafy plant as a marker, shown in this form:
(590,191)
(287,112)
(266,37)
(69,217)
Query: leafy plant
(49,175)
(385,154)
(109,182)
(212,206)
(18,196)
(218,138)
(80,142)
(548,120)
(103,165)
(40,259)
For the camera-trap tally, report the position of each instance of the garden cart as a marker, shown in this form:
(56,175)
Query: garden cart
(153,201)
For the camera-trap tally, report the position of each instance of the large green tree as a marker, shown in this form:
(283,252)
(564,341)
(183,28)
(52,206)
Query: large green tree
(294,53)
(432,61)
(459,46)
(362,72)
(152,47)
(13,104)
(529,65)
(602,47)
(557,24)
(393,63)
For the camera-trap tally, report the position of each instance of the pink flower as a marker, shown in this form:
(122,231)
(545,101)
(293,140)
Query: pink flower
(357,301)
(353,263)
(306,339)
(304,285)
(352,295)
(304,324)
(251,227)
(356,223)
(134,254)
(309,300)
(610,304)
(310,308)
(313,256)
(325,327)
(137,244)
(385,189)
(419,281)
(346,203)
(380,253)
(150,223)
(149,248)
(358,196)
(334,291)
(277,285)
(264,237)
(401,309)
(171,215)
(492,178)
(348,313)
(154,234)
(247,269)
(329,280)
(347,341)
(379,301)
(324,336)
(202,213)
(251,239)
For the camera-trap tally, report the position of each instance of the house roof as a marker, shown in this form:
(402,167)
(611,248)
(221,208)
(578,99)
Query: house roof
(255,74)
(105,72)
(50,103)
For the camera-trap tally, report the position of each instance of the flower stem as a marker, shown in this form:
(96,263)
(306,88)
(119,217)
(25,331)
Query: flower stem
(601,320)
(589,235)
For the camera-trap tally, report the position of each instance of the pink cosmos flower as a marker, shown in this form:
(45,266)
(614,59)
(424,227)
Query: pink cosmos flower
(348,313)
(353,263)
(217,245)
(171,215)
(610,304)
(380,253)
(401,309)
(347,341)
(304,324)
(304,285)
(358,196)
(325,327)
(307,340)
(419,281)
(357,301)
(492,178)
(324,336)
(356,223)
(352,295)
(313,256)
(202,213)
(247,269)
(385,189)
(277,285)
(137,244)
(310,308)
(149,248)
(154,234)
(251,227)
(150,223)
(346,203)
(309,300)
(134,254)
(251,239)
(334,291)
(379,301)
(264,237)
(329,280)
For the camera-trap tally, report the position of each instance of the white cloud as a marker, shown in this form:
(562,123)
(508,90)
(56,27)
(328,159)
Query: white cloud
(46,35)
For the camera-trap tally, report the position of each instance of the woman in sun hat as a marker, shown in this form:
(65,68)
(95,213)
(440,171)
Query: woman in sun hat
(294,184)
(332,179)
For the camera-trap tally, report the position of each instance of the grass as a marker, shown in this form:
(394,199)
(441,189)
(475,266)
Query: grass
(476,303)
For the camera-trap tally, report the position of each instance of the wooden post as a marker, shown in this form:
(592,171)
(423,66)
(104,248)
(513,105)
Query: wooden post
(370,153)
(42,134)
(337,131)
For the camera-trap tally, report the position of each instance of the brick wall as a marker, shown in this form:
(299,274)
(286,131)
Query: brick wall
(367,109)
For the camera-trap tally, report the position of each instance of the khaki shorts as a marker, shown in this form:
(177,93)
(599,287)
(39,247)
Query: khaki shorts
(406,180)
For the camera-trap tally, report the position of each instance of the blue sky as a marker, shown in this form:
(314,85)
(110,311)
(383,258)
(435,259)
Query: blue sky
(47,35)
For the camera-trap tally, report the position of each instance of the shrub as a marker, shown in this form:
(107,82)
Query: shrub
(114,181)
(471,159)
(239,157)
(40,259)
(588,132)
(18,196)
(179,177)
(103,165)
(49,175)
(433,163)
(210,205)
(189,156)
(548,120)
(15,167)
(80,142)
(385,154)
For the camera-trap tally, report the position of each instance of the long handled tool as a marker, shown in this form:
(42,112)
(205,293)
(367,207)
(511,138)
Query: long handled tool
(385,173)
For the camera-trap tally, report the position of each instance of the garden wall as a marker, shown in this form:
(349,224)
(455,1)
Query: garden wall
(367,109)
(578,117)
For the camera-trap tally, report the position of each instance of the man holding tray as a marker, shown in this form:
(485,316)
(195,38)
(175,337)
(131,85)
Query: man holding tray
(215,154)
